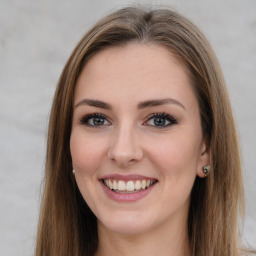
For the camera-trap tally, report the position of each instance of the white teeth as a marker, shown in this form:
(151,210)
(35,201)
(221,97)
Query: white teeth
(115,187)
(121,185)
(128,186)
(110,184)
(143,184)
(137,185)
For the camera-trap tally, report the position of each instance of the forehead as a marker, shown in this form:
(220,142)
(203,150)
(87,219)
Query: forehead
(135,71)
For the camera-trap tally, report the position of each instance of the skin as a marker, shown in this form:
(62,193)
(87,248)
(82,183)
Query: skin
(129,142)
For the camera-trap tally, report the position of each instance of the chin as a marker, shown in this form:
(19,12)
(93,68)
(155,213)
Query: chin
(127,224)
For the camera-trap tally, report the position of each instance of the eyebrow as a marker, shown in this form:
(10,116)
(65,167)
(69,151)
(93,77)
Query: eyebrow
(159,102)
(141,105)
(93,103)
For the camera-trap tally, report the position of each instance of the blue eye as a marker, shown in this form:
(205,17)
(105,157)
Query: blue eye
(160,120)
(95,120)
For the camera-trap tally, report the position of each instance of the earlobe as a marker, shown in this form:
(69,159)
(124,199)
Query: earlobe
(203,169)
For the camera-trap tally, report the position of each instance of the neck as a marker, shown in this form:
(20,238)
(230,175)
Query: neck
(165,240)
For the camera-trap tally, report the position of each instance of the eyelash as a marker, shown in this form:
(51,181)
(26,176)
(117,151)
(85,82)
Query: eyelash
(85,120)
(166,117)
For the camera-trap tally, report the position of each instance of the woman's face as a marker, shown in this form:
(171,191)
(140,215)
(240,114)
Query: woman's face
(136,140)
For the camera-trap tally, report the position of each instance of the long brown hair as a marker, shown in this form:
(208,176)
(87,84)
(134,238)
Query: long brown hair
(66,225)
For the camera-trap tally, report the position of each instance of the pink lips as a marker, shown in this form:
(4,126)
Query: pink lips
(126,197)
(126,177)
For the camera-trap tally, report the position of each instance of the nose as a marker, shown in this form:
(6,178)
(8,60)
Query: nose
(125,149)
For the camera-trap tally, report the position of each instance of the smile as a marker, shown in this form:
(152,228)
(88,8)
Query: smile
(129,186)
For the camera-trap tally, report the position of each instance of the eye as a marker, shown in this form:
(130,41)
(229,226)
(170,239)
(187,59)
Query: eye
(160,120)
(95,120)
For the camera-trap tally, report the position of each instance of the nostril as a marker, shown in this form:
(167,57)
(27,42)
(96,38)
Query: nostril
(124,156)
(125,149)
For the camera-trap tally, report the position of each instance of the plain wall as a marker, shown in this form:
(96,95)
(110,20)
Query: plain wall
(36,38)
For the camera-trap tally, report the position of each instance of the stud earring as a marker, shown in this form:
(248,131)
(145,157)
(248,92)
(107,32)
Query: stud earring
(73,171)
(206,170)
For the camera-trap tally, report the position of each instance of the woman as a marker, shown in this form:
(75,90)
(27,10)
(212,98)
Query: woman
(142,155)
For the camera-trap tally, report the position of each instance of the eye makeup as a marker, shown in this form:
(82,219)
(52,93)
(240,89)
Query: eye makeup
(157,120)
(160,120)
(95,120)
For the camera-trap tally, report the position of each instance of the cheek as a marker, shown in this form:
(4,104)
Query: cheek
(176,156)
(85,153)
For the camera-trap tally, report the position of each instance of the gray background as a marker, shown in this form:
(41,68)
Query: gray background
(36,38)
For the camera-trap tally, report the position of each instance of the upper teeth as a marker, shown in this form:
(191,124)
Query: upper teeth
(128,186)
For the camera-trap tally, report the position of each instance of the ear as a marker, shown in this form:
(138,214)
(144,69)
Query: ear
(204,158)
